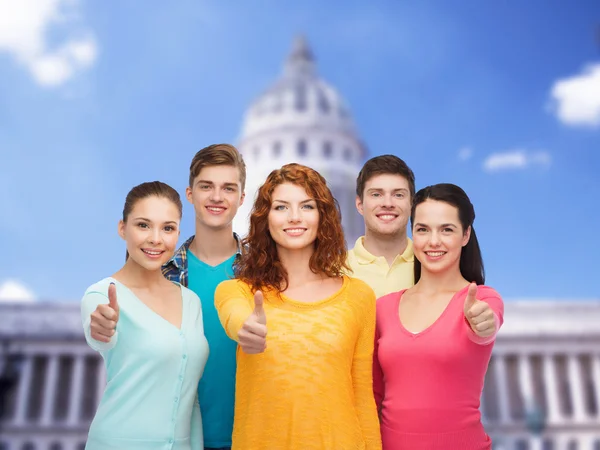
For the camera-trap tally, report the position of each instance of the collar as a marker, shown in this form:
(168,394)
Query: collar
(180,256)
(363,256)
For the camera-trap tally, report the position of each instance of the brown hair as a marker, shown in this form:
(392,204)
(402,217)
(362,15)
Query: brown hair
(260,266)
(384,164)
(218,155)
(150,189)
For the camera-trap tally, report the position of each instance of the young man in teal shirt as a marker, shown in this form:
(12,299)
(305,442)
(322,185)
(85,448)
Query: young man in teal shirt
(216,189)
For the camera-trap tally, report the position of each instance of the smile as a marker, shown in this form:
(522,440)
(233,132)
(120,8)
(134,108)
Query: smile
(387,217)
(294,231)
(216,209)
(153,253)
(435,254)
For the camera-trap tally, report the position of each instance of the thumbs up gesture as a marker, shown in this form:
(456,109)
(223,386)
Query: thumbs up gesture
(479,314)
(252,337)
(104,319)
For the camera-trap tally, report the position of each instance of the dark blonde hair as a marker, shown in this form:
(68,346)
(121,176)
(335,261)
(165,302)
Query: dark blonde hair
(218,155)
(260,265)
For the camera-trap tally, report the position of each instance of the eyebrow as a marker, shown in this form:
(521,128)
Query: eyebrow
(381,189)
(441,226)
(302,202)
(210,182)
(148,220)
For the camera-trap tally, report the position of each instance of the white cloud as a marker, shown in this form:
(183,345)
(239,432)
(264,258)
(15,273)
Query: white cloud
(465,153)
(517,159)
(13,291)
(576,100)
(24,26)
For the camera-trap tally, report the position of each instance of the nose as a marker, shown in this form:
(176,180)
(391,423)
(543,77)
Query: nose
(216,195)
(155,236)
(387,201)
(294,215)
(434,240)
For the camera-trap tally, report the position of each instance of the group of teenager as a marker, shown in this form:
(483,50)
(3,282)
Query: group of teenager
(285,339)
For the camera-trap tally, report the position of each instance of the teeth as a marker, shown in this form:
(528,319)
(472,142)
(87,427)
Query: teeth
(294,230)
(387,216)
(435,253)
(152,253)
(214,209)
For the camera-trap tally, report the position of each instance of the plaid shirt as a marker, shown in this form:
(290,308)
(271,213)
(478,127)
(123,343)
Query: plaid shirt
(176,269)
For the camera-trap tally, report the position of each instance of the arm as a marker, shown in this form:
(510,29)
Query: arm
(89,303)
(378,384)
(196,432)
(232,301)
(362,374)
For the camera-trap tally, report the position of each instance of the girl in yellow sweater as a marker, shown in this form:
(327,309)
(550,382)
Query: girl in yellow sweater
(305,331)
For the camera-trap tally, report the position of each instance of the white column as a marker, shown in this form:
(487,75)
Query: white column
(526,381)
(50,388)
(101,383)
(23,391)
(502,387)
(576,388)
(76,390)
(596,380)
(551,386)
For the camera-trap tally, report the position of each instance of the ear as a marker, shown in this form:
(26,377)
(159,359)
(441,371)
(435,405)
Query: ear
(121,229)
(466,236)
(242,198)
(359,205)
(188,194)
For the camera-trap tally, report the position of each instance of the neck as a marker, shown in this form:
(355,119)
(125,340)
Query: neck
(388,246)
(450,280)
(135,276)
(213,246)
(296,263)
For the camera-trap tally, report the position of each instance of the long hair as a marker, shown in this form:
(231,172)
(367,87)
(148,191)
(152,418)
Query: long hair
(471,262)
(260,265)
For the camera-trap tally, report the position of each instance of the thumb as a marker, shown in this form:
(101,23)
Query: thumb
(470,300)
(259,311)
(112,297)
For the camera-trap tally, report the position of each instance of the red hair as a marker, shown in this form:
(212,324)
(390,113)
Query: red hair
(260,266)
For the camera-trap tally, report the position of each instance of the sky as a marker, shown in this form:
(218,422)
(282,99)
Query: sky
(501,98)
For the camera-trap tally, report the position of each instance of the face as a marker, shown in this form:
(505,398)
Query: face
(385,205)
(216,195)
(151,232)
(293,218)
(438,236)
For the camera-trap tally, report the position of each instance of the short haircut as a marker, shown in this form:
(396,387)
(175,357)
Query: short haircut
(384,164)
(218,155)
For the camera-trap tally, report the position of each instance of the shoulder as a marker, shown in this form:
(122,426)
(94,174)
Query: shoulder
(229,287)
(390,299)
(100,287)
(359,287)
(187,293)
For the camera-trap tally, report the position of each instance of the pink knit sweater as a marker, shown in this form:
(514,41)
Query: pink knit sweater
(428,385)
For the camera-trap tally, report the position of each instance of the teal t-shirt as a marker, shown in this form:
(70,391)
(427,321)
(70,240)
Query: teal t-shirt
(216,390)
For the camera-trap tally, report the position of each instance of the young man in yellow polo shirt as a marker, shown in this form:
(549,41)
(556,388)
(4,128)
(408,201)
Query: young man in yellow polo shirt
(383,257)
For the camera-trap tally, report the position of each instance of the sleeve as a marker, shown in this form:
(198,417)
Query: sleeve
(378,385)
(89,303)
(362,373)
(196,432)
(492,298)
(233,306)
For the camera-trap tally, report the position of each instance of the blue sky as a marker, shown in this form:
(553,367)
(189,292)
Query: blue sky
(500,98)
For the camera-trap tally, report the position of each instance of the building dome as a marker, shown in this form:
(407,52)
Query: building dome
(302,119)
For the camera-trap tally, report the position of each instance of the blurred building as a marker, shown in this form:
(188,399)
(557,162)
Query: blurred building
(547,355)
(301,118)
(544,372)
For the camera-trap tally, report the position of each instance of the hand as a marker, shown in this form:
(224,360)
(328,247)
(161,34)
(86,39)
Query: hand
(253,334)
(104,320)
(479,314)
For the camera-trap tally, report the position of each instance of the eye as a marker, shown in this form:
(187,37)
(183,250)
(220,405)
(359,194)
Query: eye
(279,208)
(204,187)
(421,230)
(142,225)
(308,206)
(229,189)
(448,230)
(375,194)
(399,195)
(169,228)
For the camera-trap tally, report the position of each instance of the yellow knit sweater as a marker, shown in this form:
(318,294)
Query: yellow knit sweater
(312,388)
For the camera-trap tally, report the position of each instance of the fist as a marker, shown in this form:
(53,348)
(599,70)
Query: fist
(252,337)
(104,319)
(479,314)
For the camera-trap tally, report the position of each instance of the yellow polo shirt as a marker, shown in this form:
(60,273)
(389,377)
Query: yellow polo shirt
(376,272)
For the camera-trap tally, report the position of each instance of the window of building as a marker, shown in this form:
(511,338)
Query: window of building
(276,149)
(56,446)
(596,444)
(302,149)
(522,444)
(300,103)
(548,444)
(4,445)
(92,367)
(28,446)
(347,154)
(327,149)
(573,445)
(323,102)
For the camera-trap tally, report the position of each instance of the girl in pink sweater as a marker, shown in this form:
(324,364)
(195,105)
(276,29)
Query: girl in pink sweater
(433,341)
